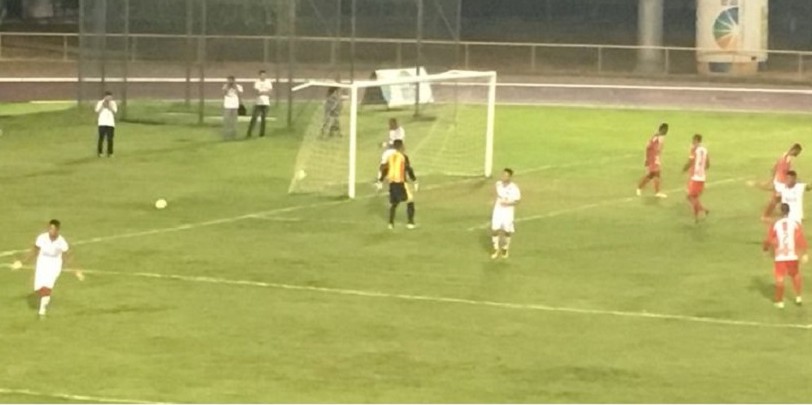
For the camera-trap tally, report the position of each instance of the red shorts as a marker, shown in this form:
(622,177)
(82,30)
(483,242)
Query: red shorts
(695,188)
(781,269)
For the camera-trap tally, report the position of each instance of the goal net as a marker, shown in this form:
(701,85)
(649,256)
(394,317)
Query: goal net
(345,128)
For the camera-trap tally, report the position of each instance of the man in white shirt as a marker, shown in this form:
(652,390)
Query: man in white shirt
(504,210)
(396,132)
(106,108)
(48,249)
(792,194)
(231,106)
(263,87)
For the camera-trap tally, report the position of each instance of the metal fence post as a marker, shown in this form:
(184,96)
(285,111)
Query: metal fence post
(65,48)
(265,50)
(399,54)
(800,65)
(533,58)
(667,64)
(1,46)
(133,48)
(600,59)
(466,56)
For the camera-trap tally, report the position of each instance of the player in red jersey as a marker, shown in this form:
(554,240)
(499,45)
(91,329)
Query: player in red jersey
(697,166)
(653,151)
(780,170)
(787,241)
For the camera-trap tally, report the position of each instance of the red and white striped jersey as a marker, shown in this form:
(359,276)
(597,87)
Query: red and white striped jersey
(699,163)
(787,240)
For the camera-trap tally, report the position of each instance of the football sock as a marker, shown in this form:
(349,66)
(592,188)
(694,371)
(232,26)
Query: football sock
(642,182)
(392,209)
(797,281)
(779,291)
(43,304)
(495,240)
(410,212)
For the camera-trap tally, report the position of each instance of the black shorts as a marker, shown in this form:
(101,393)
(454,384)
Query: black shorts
(399,192)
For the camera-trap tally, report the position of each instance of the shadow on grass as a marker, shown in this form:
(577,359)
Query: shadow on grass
(763,287)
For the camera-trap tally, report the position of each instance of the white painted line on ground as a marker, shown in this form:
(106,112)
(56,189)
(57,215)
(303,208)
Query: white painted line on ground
(277,211)
(599,204)
(71,397)
(448,300)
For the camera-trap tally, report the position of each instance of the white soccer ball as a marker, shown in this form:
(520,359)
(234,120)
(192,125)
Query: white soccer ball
(160,204)
(301,174)
(17,265)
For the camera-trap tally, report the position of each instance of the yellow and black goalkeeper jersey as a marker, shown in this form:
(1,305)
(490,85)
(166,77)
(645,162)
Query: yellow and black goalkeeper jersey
(397,168)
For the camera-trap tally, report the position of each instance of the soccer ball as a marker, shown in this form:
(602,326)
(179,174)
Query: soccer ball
(301,174)
(17,265)
(160,204)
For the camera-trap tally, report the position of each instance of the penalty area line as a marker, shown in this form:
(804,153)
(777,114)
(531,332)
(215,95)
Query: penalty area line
(600,204)
(72,397)
(457,301)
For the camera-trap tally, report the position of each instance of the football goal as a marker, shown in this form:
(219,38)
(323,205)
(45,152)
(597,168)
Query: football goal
(345,126)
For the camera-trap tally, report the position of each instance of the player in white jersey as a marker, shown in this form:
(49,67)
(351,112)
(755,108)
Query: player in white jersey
(49,248)
(396,133)
(504,210)
(792,194)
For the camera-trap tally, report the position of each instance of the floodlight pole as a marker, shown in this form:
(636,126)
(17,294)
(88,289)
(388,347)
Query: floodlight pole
(189,30)
(126,62)
(353,27)
(419,56)
(201,61)
(353,141)
(291,56)
(80,76)
(489,130)
(103,61)
(336,57)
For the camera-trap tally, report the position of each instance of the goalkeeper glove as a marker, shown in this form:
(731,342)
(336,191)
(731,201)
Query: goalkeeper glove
(378,186)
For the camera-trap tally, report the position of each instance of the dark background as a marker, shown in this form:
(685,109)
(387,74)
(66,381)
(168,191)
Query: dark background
(561,21)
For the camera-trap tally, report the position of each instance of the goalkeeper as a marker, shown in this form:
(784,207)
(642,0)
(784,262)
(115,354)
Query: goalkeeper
(332,110)
(395,171)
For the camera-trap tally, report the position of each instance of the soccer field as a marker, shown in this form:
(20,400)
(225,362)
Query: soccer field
(240,292)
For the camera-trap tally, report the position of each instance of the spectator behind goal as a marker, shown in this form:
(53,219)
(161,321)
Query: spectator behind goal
(332,110)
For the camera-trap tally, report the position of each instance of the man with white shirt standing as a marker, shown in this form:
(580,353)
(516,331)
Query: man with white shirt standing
(106,108)
(792,193)
(508,196)
(231,106)
(263,87)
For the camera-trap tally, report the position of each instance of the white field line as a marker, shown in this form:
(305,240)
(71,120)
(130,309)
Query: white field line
(449,300)
(599,204)
(71,397)
(221,221)
(698,88)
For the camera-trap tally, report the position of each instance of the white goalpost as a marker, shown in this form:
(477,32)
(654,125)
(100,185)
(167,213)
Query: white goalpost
(453,135)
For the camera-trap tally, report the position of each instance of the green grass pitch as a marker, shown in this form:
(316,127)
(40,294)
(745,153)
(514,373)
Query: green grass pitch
(606,298)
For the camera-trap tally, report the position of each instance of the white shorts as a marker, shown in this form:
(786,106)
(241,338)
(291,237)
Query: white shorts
(46,277)
(502,221)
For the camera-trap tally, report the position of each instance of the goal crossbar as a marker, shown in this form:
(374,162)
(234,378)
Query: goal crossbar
(437,77)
